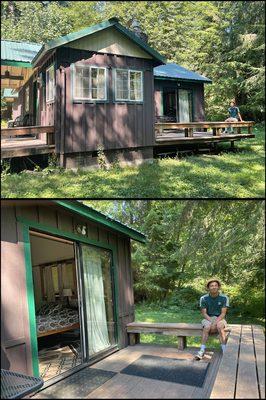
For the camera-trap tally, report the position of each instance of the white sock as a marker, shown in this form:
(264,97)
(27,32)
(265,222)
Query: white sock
(202,347)
(223,347)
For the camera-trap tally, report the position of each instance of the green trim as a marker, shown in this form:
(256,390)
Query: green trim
(165,78)
(97,216)
(16,63)
(52,44)
(31,301)
(27,225)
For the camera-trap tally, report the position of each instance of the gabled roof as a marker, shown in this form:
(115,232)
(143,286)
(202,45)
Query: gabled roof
(114,22)
(174,71)
(18,53)
(96,216)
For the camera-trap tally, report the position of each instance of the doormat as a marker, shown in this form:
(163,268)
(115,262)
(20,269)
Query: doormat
(56,360)
(78,385)
(186,372)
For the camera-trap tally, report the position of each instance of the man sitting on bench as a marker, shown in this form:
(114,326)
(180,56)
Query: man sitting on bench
(213,308)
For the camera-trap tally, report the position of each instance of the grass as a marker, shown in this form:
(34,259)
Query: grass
(155,313)
(228,174)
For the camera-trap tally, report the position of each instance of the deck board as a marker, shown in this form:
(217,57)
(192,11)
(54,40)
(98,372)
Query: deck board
(127,386)
(199,137)
(24,147)
(247,385)
(228,367)
(259,344)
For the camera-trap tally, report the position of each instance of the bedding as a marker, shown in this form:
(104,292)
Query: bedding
(55,316)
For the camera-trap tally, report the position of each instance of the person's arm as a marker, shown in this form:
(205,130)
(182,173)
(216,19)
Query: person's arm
(222,315)
(205,315)
(239,116)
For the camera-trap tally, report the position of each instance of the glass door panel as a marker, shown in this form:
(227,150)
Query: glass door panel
(98,295)
(184,105)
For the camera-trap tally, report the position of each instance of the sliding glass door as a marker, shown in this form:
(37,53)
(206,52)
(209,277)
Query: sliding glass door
(97,299)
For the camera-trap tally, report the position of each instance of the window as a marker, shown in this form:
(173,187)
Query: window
(89,83)
(128,85)
(27,99)
(50,83)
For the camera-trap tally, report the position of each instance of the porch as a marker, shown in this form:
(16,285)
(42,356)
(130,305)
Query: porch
(241,367)
(169,133)
(27,141)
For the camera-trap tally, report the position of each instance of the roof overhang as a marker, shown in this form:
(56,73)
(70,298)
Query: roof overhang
(112,22)
(14,74)
(168,78)
(96,216)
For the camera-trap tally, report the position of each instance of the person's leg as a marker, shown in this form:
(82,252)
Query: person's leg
(222,334)
(205,334)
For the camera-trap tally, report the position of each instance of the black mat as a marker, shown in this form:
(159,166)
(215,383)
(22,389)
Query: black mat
(78,385)
(186,372)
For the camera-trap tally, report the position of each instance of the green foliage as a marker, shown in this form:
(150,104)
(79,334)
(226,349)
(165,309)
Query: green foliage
(101,158)
(226,175)
(222,40)
(189,241)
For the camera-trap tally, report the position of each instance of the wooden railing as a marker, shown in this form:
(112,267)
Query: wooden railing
(215,126)
(45,133)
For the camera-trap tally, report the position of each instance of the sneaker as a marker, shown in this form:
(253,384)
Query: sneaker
(200,355)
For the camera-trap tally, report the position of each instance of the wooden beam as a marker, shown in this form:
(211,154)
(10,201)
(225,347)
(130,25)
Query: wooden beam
(26,130)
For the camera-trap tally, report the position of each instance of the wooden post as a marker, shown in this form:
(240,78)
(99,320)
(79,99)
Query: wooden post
(214,131)
(190,132)
(63,115)
(182,342)
(134,338)
(161,129)
(238,130)
(218,131)
(186,132)
(249,129)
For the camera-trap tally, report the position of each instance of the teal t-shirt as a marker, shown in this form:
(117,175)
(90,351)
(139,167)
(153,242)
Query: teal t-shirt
(214,305)
(233,112)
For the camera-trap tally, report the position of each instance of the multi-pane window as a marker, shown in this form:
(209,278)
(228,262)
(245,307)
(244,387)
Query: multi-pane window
(50,83)
(128,85)
(89,83)
(27,99)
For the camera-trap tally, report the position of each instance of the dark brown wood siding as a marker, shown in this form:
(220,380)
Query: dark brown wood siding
(197,90)
(111,124)
(15,342)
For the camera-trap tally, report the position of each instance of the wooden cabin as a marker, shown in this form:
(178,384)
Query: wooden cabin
(101,87)
(66,286)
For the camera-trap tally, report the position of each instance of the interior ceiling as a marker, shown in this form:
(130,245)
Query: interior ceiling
(45,250)
(21,73)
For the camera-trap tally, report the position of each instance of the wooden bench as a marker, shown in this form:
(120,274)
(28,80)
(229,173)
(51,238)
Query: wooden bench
(181,330)
(241,373)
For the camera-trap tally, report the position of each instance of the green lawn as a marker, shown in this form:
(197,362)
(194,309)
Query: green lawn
(229,174)
(153,313)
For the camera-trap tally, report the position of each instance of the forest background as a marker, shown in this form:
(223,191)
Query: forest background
(189,241)
(223,40)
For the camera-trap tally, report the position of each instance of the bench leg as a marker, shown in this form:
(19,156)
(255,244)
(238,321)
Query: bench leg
(182,342)
(134,338)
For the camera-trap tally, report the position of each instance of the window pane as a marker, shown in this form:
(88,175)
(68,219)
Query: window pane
(94,93)
(135,85)
(50,84)
(122,84)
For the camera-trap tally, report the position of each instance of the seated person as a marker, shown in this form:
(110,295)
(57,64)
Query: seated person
(213,309)
(234,116)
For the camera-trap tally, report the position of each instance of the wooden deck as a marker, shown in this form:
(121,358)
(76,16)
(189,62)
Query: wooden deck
(123,386)
(210,132)
(239,373)
(15,143)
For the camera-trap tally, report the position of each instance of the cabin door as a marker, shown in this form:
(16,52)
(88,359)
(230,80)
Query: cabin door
(185,105)
(97,284)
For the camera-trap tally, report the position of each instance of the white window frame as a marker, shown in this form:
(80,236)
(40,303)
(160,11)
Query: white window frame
(27,99)
(89,67)
(128,85)
(48,99)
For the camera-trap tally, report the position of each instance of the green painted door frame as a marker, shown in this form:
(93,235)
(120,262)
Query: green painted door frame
(27,226)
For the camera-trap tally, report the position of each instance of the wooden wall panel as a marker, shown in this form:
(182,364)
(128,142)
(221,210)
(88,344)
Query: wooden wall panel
(16,348)
(112,124)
